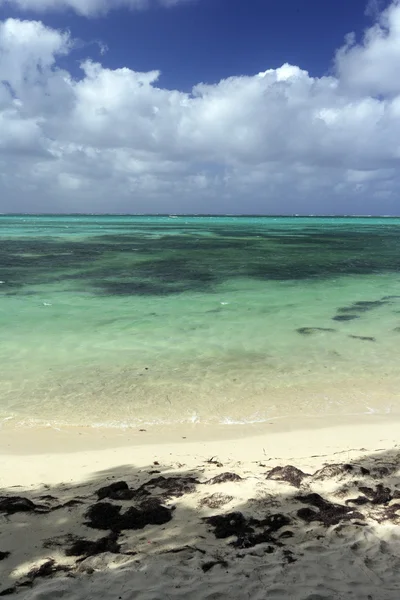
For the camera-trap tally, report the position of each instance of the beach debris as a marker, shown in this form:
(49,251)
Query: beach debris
(85,548)
(359,501)
(224,478)
(381,494)
(215,500)
(311,330)
(172,486)
(4,555)
(213,461)
(363,338)
(108,516)
(116,491)
(185,549)
(15,504)
(334,470)
(47,569)
(328,513)
(207,566)
(236,525)
(8,591)
(389,514)
(289,557)
(230,524)
(289,474)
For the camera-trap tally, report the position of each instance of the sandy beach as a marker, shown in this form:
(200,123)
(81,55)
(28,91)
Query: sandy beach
(283,510)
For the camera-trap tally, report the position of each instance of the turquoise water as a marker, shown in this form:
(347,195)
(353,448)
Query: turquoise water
(124,321)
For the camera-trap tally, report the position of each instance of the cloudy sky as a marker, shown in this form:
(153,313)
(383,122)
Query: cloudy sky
(200,106)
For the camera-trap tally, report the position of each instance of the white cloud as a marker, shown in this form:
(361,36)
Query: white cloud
(88,7)
(278,141)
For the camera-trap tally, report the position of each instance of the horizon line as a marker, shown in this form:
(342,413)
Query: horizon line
(221,215)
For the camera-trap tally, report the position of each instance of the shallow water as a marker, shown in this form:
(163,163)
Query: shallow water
(119,320)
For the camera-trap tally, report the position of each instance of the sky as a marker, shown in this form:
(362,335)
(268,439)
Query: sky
(200,106)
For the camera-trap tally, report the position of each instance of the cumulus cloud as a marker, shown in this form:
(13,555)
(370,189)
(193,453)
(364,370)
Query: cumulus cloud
(280,141)
(88,7)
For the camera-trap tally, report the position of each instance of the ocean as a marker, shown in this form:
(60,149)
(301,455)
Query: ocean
(129,321)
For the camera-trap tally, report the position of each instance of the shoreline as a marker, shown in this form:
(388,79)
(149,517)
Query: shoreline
(40,439)
(30,456)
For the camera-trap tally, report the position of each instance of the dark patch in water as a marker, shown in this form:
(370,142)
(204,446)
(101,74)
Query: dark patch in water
(345,317)
(362,306)
(311,330)
(135,261)
(364,338)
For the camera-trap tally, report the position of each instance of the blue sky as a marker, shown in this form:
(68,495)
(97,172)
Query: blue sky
(317,135)
(209,40)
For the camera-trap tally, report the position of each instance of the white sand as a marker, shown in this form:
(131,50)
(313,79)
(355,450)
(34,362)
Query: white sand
(346,556)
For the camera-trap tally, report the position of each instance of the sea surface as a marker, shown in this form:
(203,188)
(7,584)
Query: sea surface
(128,320)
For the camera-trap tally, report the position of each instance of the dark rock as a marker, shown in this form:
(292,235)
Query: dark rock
(87,548)
(364,338)
(289,474)
(223,478)
(116,491)
(311,330)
